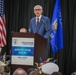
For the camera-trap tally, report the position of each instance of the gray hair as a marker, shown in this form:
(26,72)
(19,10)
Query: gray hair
(39,6)
(74,73)
(15,72)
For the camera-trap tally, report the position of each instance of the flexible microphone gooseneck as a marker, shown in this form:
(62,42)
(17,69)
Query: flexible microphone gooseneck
(46,27)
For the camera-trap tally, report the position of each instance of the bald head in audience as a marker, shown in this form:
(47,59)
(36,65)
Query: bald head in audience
(20,71)
(23,30)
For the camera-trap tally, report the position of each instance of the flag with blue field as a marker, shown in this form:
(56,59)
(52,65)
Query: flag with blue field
(56,28)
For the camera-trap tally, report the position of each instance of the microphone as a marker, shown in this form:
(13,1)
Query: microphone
(29,30)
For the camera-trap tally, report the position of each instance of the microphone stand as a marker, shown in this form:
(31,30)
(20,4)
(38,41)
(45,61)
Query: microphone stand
(49,33)
(49,36)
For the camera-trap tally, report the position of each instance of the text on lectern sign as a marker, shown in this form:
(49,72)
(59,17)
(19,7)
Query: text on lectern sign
(22,51)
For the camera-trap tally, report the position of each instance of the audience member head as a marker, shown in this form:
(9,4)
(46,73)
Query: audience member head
(23,30)
(1,70)
(74,73)
(19,71)
(56,73)
(34,72)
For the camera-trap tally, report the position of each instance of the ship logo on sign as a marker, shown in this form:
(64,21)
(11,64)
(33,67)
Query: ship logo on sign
(15,41)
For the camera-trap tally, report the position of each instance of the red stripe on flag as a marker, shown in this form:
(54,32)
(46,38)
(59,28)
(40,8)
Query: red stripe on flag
(2,31)
(4,26)
(0,34)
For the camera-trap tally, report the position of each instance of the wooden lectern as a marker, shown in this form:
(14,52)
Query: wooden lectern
(40,49)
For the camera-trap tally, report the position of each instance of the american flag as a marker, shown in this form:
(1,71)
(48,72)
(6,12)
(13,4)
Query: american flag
(2,25)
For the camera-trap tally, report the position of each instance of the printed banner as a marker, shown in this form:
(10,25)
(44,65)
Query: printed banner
(22,51)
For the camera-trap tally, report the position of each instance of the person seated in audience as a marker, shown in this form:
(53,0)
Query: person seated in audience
(74,73)
(23,30)
(1,70)
(56,73)
(20,71)
(32,71)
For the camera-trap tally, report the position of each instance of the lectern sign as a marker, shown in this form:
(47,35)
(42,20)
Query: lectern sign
(22,51)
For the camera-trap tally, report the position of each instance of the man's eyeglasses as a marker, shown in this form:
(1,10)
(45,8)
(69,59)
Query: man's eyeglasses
(37,9)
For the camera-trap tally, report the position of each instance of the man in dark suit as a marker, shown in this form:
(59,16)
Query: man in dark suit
(40,24)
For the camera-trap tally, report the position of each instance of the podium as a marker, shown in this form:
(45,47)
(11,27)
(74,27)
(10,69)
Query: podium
(39,49)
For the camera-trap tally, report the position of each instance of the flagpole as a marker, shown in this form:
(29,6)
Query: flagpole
(57,55)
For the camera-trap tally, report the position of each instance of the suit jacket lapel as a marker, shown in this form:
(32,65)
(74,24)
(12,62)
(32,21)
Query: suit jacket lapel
(35,25)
